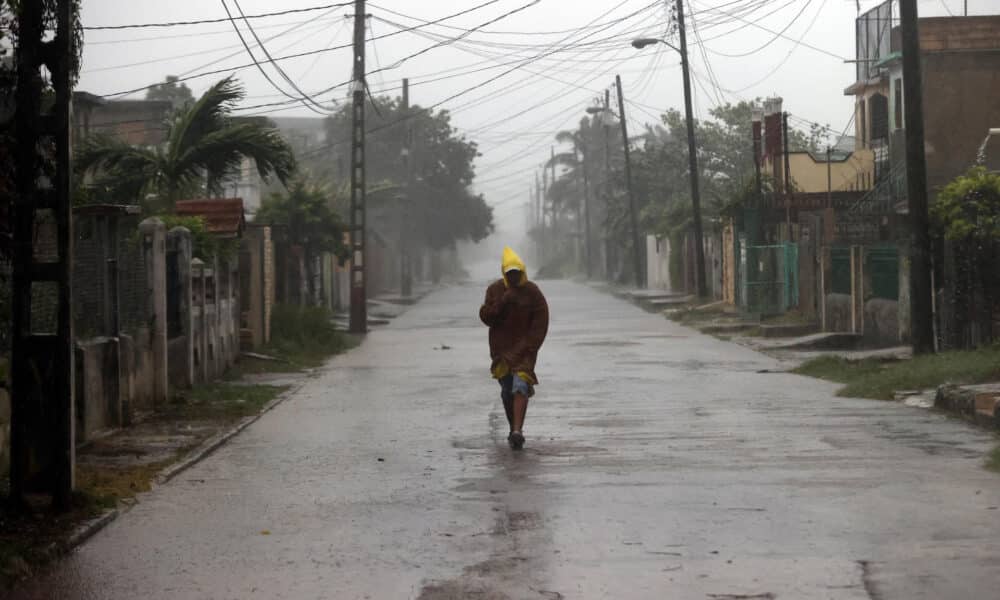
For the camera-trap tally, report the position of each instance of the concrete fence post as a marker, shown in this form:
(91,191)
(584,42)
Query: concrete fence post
(153,233)
(824,264)
(216,341)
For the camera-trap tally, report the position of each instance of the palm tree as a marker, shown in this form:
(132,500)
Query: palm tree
(204,145)
(580,162)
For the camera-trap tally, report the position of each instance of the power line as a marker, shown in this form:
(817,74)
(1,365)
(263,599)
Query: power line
(399,62)
(318,27)
(559,32)
(298,55)
(781,35)
(492,79)
(306,100)
(221,20)
(202,34)
(777,35)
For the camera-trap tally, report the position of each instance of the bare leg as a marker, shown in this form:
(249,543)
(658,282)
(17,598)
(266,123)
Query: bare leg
(508,407)
(520,410)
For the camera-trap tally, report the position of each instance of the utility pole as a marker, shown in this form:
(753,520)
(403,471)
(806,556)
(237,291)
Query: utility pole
(405,270)
(788,177)
(540,194)
(359,293)
(555,207)
(829,177)
(753,231)
(607,182)
(699,250)
(633,220)
(921,314)
(586,213)
(42,345)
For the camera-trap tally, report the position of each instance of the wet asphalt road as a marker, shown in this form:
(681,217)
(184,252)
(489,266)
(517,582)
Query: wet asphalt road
(659,464)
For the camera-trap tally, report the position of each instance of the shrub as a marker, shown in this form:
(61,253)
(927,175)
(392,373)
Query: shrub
(304,330)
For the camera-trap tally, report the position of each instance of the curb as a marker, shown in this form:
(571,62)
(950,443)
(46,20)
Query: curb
(961,401)
(216,441)
(89,529)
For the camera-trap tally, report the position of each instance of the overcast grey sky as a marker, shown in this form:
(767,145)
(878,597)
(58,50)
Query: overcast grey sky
(515,117)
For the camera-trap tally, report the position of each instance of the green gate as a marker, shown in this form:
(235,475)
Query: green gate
(883,270)
(840,270)
(769,277)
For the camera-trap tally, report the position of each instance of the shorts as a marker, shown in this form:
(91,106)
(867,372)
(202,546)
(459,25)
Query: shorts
(513,384)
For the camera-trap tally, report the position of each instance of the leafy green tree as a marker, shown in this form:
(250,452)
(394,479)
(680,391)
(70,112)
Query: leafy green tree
(307,218)
(442,210)
(205,144)
(968,208)
(660,170)
(965,216)
(178,95)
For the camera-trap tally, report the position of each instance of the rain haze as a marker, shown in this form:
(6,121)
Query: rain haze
(566,53)
(500,299)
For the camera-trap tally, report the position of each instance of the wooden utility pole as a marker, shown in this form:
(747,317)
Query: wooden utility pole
(42,357)
(633,219)
(588,256)
(540,194)
(555,206)
(607,182)
(359,292)
(405,265)
(753,229)
(921,314)
(788,176)
(829,176)
(699,250)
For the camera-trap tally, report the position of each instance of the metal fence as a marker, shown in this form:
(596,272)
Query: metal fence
(882,264)
(133,282)
(770,278)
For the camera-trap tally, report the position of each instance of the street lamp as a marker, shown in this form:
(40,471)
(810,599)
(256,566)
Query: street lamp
(699,249)
(641,43)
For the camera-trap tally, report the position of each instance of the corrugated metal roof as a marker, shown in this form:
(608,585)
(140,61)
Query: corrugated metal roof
(223,216)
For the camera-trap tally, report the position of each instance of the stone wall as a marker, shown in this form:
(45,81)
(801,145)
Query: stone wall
(98,402)
(838,313)
(881,323)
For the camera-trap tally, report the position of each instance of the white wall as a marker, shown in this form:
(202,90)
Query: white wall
(657,263)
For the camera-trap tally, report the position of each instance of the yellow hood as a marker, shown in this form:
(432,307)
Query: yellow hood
(512,261)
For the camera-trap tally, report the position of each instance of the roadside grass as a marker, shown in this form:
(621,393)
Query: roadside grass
(30,538)
(880,379)
(221,401)
(694,314)
(792,317)
(104,487)
(301,338)
(993,460)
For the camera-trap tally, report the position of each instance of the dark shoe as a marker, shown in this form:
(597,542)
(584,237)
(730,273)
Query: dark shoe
(516,440)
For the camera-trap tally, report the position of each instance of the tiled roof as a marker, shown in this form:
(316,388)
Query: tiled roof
(223,216)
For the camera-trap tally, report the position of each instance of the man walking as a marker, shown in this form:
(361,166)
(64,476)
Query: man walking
(518,317)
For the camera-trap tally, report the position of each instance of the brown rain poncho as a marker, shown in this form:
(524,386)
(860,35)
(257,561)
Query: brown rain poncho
(518,318)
